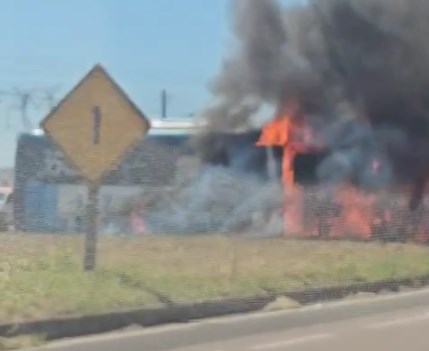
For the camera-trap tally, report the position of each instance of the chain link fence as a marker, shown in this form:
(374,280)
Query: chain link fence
(174,229)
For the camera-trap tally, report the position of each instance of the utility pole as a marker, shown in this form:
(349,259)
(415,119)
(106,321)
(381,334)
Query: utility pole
(25,99)
(21,100)
(164,102)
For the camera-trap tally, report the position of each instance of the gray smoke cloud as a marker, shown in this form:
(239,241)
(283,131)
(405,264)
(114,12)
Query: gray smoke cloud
(217,199)
(358,70)
(349,63)
(256,72)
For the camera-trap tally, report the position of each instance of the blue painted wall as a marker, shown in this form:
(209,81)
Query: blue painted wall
(41,207)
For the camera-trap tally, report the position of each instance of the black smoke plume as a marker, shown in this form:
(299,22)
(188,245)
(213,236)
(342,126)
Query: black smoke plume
(358,69)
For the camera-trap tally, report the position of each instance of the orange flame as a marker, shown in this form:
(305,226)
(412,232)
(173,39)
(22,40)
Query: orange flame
(350,213)
(276,133)
(281,132)
(357,218)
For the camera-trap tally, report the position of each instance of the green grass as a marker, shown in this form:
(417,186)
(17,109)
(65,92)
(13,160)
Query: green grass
(41,276)
(20,342)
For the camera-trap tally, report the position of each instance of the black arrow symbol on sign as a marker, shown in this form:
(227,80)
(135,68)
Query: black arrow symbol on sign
(96,111)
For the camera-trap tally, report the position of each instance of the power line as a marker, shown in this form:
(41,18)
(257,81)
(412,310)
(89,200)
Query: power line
(23,100)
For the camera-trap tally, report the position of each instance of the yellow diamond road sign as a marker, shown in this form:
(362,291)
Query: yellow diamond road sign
(95,125)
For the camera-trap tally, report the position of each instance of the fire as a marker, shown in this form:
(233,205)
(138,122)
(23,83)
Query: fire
(285,131)
(357,215)
(345,212)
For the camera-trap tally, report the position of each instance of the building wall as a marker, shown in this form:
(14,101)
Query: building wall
(40,203)
(44,179)
(72,199)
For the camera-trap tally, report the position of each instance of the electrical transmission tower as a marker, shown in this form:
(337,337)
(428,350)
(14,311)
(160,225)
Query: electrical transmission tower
(23,101)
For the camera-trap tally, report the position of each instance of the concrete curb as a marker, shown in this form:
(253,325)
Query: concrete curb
(183,313)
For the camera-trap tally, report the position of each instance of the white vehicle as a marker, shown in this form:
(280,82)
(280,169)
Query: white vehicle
(5,208)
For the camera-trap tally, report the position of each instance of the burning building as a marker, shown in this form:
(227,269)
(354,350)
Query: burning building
(348,143)
(350,84)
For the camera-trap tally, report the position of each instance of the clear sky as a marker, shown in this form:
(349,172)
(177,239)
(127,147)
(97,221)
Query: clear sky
(146,45)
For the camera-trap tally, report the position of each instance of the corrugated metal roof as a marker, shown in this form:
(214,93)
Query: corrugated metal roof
(175,123)
(162,127)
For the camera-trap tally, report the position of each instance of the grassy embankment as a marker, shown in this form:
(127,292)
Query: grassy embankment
(41,276)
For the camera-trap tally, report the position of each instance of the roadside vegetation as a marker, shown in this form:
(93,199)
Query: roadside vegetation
(41,275)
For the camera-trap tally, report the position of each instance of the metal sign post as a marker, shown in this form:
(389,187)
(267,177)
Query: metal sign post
(94,126)
(90,258)
(92,210)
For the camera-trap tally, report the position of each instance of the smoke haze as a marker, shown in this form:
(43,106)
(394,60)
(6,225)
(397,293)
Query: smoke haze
(358,69)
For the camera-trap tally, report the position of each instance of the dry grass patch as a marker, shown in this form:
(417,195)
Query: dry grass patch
(41,275)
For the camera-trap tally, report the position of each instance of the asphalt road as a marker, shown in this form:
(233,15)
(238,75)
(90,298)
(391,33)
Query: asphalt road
(397,322)
(405,330)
